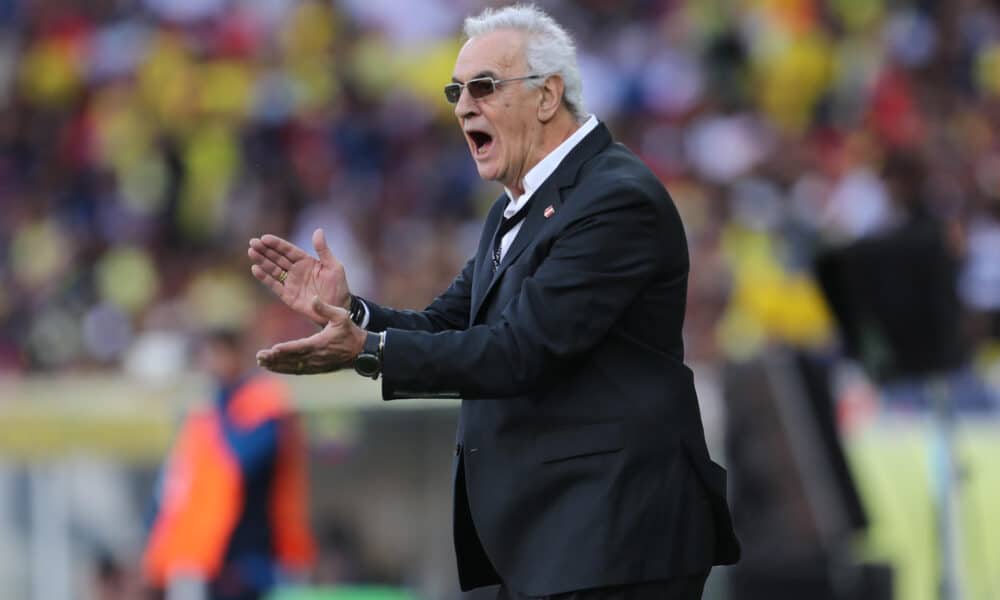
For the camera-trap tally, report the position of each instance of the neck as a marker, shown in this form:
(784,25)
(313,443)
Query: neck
(552,134)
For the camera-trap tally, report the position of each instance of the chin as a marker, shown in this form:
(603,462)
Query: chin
(487,172)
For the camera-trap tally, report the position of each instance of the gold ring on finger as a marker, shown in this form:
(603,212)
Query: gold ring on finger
(283,277)
(298,367)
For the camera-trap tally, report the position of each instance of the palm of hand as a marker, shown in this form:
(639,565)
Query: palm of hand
(297,277)
(310,278)
(331,349)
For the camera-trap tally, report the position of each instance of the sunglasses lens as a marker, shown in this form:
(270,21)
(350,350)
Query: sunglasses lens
(480,87)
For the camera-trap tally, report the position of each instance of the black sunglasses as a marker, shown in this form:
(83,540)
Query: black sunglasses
(480,87)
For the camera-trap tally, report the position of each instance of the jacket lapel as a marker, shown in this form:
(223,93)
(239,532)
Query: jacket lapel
(483,273)
(548,194)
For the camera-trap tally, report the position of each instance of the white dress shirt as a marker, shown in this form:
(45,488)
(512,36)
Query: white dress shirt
(534,178)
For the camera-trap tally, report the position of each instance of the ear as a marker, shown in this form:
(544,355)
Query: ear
(551,98)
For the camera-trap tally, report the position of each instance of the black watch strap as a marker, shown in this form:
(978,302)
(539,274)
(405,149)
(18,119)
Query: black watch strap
(357,310)
(373,345)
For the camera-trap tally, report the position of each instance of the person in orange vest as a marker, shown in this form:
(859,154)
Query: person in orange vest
(230,514)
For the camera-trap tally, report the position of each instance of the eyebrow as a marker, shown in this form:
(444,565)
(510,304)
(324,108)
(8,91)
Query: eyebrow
(478,75)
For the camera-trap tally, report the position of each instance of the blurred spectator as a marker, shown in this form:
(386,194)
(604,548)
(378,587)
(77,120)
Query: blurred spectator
(231,510)
(143,141)
(113,580)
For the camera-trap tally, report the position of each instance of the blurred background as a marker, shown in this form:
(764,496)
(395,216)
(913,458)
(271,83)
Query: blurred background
(836,164)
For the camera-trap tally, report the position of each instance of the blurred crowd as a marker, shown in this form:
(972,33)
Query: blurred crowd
(143,142)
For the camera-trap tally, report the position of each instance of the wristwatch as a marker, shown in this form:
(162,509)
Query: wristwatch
(369,362)
(357,310)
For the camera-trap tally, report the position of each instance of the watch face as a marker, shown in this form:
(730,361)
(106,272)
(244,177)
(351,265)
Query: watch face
(366,364)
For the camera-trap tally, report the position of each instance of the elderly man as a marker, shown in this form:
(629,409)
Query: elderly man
(581,469)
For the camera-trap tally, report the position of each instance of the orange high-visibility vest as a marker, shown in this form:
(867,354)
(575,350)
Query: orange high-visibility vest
(202,495)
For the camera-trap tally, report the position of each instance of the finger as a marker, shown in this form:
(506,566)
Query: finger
(302,367)
(334,314)
(263,262)
(285,248)
(282,368)
(261,254)
(287,351)
(276,271)
(300,347)
(284,363)
(279,366)
(322,250)
(271,282)
(263,360)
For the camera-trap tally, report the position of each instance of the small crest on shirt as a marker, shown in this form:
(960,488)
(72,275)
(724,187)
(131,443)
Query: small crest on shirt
(549,211)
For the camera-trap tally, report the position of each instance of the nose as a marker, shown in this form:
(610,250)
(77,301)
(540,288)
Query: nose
(466,106)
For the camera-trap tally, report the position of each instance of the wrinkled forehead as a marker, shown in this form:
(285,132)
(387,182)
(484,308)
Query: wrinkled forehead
(498,54)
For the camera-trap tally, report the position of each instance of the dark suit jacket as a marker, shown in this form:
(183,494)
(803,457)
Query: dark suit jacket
(581,458)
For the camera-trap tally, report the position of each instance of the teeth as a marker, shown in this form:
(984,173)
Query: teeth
(480,141)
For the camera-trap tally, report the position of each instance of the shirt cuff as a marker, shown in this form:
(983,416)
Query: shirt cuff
(364,320)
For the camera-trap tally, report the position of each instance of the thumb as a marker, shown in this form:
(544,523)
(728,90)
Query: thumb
(322,250)
(331,313)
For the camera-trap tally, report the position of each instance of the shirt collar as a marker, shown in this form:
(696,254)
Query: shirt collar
(535,177)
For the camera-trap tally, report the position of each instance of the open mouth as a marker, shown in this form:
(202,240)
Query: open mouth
(481,141)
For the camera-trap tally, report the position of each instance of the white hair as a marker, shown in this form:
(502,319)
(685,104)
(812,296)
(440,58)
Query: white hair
(549,50)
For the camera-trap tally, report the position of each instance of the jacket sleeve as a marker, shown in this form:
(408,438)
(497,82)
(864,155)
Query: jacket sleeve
(592,272)
(448,311)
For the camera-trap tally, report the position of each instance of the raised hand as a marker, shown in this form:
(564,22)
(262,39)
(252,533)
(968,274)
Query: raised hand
(296,277)
(333,348)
